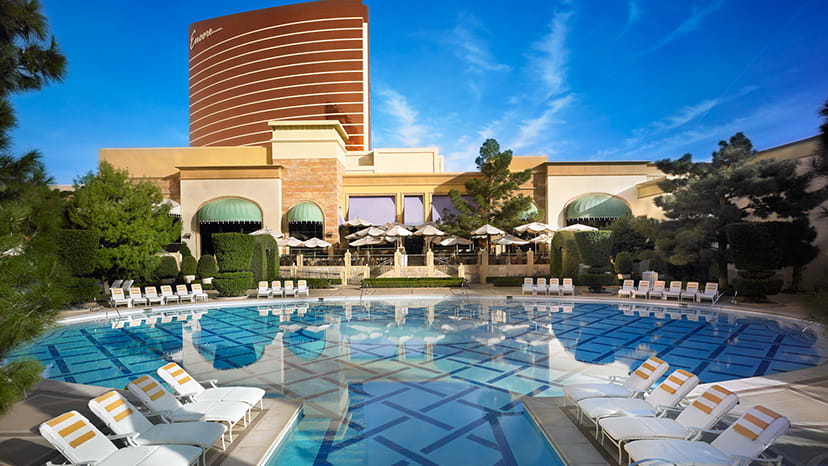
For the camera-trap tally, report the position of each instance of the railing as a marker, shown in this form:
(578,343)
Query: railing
(414,260)
(324,260)
(456,259)
(448,269)
(542,259)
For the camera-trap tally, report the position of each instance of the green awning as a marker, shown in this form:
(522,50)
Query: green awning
(230,211)
(305,212)
(528,213)
(596,206)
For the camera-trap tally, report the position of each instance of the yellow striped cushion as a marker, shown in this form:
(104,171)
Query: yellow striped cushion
(105,396)
(675,381)
(646,369)
(59,419)
(81,439)
(711,398)
(120,416)
(755,421)
(71,428)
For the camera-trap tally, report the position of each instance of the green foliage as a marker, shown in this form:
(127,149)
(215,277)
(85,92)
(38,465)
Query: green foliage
(18,377)
(596,280)
(77,250)
(264,262)
(185,250)
(207,266)
(188,265)
(757,288)
(704,197)
(594,247)
(167,268)
(128,215)
(510,281)
(234,251)
(623,263)
(272,259)
(564,259)
(233,283)
(258,262)
(418,282)
(492,194)
(82,290)
(625,238)
(747,239)
(795,240)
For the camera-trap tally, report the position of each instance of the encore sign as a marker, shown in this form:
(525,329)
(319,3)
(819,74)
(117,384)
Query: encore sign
(195,39)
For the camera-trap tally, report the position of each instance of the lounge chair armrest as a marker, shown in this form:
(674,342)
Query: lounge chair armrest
(186,398)
(668,409)
(696,433)
(617,379)
(759,459)
(638,393)
(212,382)
(123,436)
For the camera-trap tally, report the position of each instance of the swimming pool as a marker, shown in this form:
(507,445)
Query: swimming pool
(431,380)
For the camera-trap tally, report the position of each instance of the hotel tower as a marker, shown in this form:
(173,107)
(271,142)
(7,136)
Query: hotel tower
(307,61)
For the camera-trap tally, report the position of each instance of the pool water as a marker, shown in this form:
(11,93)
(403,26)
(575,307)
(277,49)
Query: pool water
(429,381)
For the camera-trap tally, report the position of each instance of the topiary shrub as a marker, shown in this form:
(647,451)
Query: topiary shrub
(272,259)
(207,266)
(623,263)
(185,251)
(233,283)
(167,268)
(189,266)
(594,249)
(564,260)
(82,290)
(77,251)
(234,251)
(756,252)
(264,263)
(258,261)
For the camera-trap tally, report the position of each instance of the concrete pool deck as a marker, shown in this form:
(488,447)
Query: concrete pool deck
(22,445)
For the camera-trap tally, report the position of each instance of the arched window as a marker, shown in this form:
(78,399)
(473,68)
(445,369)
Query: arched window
(596,210)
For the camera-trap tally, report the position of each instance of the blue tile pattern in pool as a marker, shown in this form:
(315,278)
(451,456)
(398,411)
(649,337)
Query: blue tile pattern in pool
(423,381)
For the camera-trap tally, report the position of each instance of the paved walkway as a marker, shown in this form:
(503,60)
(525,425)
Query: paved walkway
(22,445)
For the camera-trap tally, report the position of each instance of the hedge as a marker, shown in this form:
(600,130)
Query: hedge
(207,266)
(418,282)
(188,265)
(234,251)
(757,289)
(506,281)
(595,281)
(623,263)
(167,268)
(265,261)
(564,259)
(594,247)
(185,251)
(753,246)
(233,283)
(82,290)
(258,264)
(76,250)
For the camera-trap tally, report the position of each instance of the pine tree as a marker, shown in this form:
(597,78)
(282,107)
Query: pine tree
(492,194)
(30,212)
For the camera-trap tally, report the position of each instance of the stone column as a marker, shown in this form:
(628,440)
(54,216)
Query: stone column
(482,265)
(366,272)
(346,262)
(530,262)
(429,263)
(461,270)
(397,263)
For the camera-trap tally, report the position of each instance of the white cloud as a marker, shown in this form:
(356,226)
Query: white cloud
(471,47)
(550,58)
(633,13)
(532,130)
(408,131)
(690,24)
(686,114)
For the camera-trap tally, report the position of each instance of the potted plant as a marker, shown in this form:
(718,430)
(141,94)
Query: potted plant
(167,270)
(188,269)
(207,268)
(624,265)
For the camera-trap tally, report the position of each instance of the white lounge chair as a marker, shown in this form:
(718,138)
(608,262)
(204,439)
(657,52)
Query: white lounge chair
(182,293)
(152,295)
(690,292)
(701,414)
(638,381)
(741,443)
(541,287)
(125,420)
(198,293)
(161,402)
(276,289)
(302,288)
(80,442)
(168,295)
(656,290)
(554,287)
(289,289)
(673,292)
(568,287)
(135,296)
(263,290)
(667,394)
(642,290)
(116,284)
(117,297)
(711,289)
(528,286)
(127,284)
(627,289)
(180,381)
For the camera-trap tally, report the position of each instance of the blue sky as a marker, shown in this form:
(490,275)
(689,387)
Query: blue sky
(608,80)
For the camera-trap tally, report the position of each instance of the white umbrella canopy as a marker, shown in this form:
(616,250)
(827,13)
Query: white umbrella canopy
(398,230)
(268,231)
(370,231)
(358,222)
(540,239)
(317,243)
(175,208)
(509,240)
(368,241)
(488,230)
(456,241)
(578,227)
(290,242)
(429,230)
(535,227)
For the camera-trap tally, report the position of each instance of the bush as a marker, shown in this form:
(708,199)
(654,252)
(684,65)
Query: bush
(77,251)
(258,262)
(207,266)
(595,281)
(272,258)
(564,259)
(188,265)
(82,290)
(167,268)
(506,281)
(185,252)
(233,283)
(623,263)
(264,263)
(419,282)
(594,247)
(753,246)
(234,251)
(757,289)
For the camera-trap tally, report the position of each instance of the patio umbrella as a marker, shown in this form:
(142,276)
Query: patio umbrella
(488,231)
(290,242)
(175,208)
(429,231)
(317,243)
(544,238)
(358,222)
(368,241)
(398,231)
(455,241)
(578,227)
(509,240)
(535,227)
(370,231)
(267,231)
